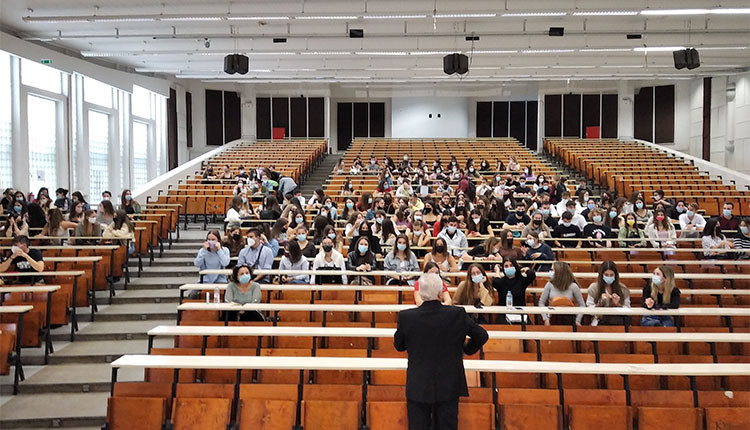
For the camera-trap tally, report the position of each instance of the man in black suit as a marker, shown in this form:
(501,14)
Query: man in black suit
(435,338)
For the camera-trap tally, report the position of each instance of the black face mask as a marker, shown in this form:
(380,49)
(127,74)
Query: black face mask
(440,249)
(537,222)
(327,248)
(236,236)
(427,209)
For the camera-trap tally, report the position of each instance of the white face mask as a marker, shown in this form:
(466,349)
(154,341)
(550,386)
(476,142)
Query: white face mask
(14,249)
(92,220)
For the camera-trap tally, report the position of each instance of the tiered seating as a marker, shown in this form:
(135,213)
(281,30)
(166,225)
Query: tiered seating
(200,198)
(627,167)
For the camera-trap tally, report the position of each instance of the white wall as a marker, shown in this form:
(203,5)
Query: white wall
(410,117)
(739,144)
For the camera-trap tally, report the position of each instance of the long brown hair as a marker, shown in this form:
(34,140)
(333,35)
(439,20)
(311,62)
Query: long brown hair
(563,277)
(121,217)
(466,296)
(616,287)
(89,229)
(489,244)
(507,244)
(54,218)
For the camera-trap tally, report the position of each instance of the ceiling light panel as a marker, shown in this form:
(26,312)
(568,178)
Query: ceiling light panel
(532,14)
(606,13)
(465,15)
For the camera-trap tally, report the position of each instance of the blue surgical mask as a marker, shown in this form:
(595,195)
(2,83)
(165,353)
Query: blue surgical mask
(639,205)
(363,248)
(299,219)
(477,278)
(545,187)
(608,279)
(656,280)
(332,236)
(530,242)
(744,229)
(680,209)
(509,271)
(545,212)
(18,209)
(379,220)
(727,213)
(612,214)
(451,229)
(244,200)
(349,205)
(246,278)
(328,205)
(597,218)
(690,214)
(401,246)
(128,197)
(417,233)
(301,237)
(591,206)
(551,274)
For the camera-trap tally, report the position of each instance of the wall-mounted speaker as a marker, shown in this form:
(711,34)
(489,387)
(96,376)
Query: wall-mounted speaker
(455,63)
(557,31)
(236,63)
(693,59)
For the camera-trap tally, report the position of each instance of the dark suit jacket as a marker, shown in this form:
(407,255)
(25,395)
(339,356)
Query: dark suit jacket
(435,338)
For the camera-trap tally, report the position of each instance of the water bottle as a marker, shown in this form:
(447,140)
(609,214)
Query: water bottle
(208,300)
(509,300)
(217,298)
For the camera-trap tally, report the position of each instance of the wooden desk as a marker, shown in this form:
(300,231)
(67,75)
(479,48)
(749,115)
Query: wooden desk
(49,289)
(19,311)
(75,274)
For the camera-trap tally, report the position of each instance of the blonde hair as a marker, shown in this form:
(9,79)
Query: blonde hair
(563,277)
(667,285)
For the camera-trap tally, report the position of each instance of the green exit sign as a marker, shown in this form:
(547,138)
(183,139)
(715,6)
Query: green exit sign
(45,61)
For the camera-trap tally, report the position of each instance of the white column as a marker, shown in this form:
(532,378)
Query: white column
(696,118)
(248,111)
(625,121)
(540,122)
(19,124)
(718,119)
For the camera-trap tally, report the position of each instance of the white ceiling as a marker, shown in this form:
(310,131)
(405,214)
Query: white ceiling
(404,40)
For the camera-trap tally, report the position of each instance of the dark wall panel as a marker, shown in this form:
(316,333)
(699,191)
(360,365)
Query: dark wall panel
(316,117)
(500,119)
(377,119)
(361,120)
(214,118)
(552,115)
(263,117)
(172,129)
(609,116)
(572,115)
(232,116)
(189,119)
(518,121)
(643,114)
(664,114)
(590,111)
(484,119)
(298,117)
(344,125)
(280,109)
(532,116)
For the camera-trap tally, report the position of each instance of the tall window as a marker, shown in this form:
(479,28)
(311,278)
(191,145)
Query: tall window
(42,115)
(6,138)
(98,152)
(141,134)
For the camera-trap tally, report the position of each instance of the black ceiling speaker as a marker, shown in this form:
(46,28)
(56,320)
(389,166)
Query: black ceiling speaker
(693,59)
(556,31)
(356,33)
(236,63)
(680,59)
(455,63)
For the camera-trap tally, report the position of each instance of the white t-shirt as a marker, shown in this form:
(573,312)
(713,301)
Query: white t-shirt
(697,221)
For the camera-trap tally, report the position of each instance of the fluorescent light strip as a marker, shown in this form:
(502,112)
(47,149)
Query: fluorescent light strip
(465,15)
(720,48)
(606,13)
(486,51)
(669,12)
(394,16)
(658,48)
(547,51)
(325,53)
(256,18)
(384,53)
(730,11)
(532,14)
(605,50)
(325,17)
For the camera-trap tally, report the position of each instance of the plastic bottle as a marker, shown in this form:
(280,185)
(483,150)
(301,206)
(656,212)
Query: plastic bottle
(509,299)
(208,300)
(217,297)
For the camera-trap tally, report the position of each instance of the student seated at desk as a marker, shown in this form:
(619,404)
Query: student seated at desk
(630,230)
(257,254)
(88,227)
(129,205)
(15,224)
(361,259)
(561,283)
(510,277)
(212,256)
(238,211)
(538,250)
(294,260)
(567,230)
(56,226)
(742,239)
(23,259)
(691,222)
(243,290)
(608,292)
(234,243)
(660,230)
(328,259)
(660,293)
(475,290)
(401,259)
(713,241)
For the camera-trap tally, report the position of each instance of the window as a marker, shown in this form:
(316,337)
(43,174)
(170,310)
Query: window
(42,77)
(42,117)
(97,93)
(141,132)
(142,103)
(98,152)
(6,138)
